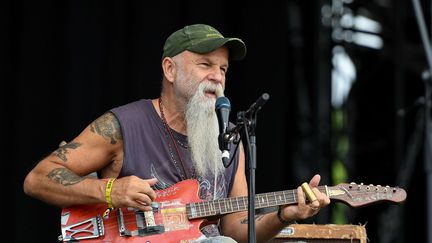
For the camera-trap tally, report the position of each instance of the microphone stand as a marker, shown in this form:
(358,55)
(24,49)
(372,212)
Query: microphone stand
(427,118)
(246,124)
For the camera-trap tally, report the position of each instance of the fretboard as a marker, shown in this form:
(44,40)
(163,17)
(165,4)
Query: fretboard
(236,204)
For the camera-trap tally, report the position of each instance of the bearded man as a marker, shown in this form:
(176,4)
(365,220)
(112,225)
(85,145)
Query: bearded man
(141,149)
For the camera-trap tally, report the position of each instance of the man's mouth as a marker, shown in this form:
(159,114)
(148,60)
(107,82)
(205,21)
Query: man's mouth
(210,93)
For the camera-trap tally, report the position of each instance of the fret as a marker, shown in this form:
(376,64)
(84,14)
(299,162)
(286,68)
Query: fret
(208,208)
(274,199)
(238,206)
(267,199)
(212,211)
(227,204)
(193,210)
(261,200)
(218,202)
(199,210)
(280,197)
(230,203)
(209,211)
(221,206)
(245,202)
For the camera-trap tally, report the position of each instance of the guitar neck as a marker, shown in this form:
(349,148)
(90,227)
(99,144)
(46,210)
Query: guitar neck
(237,204)
(352,194)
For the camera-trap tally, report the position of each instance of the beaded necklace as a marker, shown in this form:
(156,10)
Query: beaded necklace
(183,175)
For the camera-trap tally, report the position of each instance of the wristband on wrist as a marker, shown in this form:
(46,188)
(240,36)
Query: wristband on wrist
(282,220)
(108,199)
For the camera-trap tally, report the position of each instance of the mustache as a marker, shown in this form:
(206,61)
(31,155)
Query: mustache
(211,87)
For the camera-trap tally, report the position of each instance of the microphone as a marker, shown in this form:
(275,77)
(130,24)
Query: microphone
(223,108)
(256,106)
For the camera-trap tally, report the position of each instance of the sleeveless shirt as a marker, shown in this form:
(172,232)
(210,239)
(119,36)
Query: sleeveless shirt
(149,152)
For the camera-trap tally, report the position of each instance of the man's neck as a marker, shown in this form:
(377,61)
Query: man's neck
(173,112)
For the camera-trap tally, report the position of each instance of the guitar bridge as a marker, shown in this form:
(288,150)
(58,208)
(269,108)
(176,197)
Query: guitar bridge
(87,229)
(145,223)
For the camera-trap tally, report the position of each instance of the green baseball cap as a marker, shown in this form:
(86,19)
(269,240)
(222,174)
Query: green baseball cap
(201,38)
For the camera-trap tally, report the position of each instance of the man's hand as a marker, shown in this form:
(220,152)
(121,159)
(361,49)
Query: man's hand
(132,191)
(305,210)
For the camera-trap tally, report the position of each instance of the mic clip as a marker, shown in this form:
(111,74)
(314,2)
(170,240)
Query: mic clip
(224,146)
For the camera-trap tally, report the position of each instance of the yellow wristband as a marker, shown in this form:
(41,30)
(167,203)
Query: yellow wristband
(108,189)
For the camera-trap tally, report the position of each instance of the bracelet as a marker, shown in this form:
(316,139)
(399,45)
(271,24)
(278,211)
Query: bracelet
(108,199)
(282,220)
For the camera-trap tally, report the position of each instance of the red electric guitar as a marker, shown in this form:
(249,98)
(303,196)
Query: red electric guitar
(178,213)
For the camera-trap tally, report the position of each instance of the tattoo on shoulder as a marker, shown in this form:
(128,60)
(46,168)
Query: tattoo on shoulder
(108,127)
(64,176)
(258,217)
(63,150)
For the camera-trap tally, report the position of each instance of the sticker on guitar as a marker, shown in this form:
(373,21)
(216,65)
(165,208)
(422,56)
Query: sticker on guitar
(178,213)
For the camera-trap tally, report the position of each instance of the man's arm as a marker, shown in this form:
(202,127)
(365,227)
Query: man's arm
(60,178)
(268,225)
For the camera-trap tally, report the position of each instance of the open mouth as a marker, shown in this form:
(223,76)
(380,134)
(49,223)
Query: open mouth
(210,93)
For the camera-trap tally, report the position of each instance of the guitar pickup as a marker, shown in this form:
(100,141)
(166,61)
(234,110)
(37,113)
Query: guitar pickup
(87,229)
(151,230)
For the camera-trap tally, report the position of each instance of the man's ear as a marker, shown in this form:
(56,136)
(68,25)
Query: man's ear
(169,68)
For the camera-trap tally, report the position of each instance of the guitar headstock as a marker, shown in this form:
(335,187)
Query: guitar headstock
(358,195)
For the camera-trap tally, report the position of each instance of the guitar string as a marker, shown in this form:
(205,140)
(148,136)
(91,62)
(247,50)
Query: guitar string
(271,200)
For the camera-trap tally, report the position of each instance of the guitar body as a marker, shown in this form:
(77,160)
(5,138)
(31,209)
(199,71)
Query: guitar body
(171,215)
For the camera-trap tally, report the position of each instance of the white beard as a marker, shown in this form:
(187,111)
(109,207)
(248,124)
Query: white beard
(203,130)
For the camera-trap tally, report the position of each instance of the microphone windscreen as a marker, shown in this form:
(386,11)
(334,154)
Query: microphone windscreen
(223,102)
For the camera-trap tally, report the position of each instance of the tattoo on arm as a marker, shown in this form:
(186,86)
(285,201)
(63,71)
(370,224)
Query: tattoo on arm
(63,150)
(258,217)
(108,127)
(64,176)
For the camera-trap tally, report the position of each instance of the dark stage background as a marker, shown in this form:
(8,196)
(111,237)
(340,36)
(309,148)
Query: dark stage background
(64,63)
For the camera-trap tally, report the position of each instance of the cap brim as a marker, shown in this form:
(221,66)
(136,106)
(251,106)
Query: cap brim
(236,47)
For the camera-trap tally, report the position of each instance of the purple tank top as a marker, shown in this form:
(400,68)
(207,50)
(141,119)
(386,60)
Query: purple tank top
(150,153)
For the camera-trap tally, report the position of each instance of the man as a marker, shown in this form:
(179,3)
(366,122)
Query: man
(150,145)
